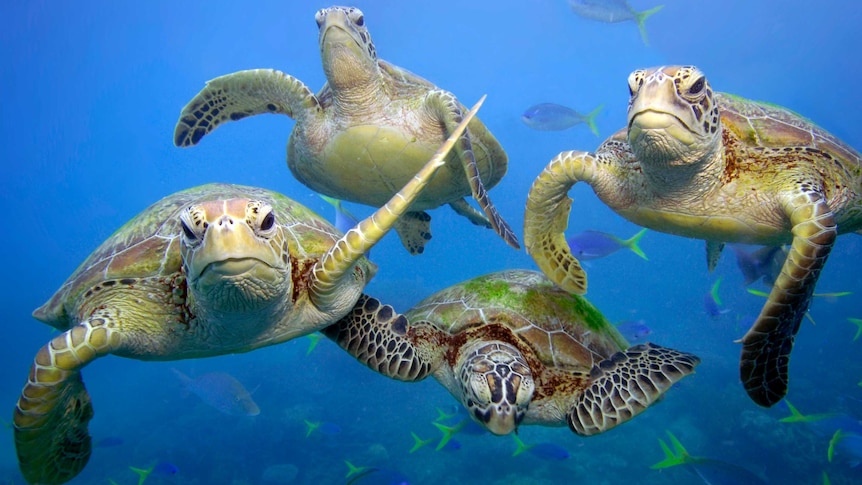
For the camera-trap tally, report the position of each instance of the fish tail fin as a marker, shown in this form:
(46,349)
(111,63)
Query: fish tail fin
(443,415)
(795,415)
(143,473)
(310,427)
(418,442)
(353,470)
(590,119)
(858,323)
(521,446)
(313,340)
(338,204)
(331,200)
(632,243)
(713,292)
(836,438)
(448,432)
(640,18)
(677,456)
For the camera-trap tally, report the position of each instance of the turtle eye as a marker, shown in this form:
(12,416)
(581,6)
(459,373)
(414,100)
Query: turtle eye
(697,87)
(188,232)
(267,222)
(360,20)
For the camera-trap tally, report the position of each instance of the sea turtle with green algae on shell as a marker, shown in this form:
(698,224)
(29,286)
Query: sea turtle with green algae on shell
(713,166)
(515,349)
(366,132)
(211,270)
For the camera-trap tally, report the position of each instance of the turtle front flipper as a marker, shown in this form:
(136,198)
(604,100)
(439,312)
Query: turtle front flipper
(378,337)
(325,290)
(767,345)
(626,384)
(54,409)
(235,96)
(414,230)
(448,109)
(547,217)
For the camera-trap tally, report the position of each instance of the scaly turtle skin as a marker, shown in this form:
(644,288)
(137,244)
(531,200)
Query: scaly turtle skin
(515,349)
(367,131)
(717,167)
(207,271)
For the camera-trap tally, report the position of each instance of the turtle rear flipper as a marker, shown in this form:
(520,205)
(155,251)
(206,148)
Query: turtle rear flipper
(448,109)
(414,230)
(626,384)
(54,408)
(767,345)
(462,208)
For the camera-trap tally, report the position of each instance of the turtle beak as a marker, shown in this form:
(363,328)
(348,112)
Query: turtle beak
(230,249)
(658,112)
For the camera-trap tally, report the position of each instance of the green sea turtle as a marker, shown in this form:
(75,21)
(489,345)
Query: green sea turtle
(211,270)
(366,132)
(717,167)
(514,349)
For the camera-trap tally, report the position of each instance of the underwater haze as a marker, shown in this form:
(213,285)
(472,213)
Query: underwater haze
(93,89)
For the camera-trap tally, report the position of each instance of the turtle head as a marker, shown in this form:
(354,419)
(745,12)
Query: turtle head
(348,54)
(234,255)
(673,118)
(496,385)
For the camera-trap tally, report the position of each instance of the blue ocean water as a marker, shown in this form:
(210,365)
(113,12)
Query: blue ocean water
(92,91)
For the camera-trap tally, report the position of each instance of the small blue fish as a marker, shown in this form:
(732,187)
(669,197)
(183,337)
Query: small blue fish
(555,117)
(344,220)
(761,264)
(846,446)
(451,445)
(613,11)
(418,442)
(589,245)
(712,302)
(710,471)
(323,427)
(634,330)
(160,469)
(221,391)
(545,451)
(823,424)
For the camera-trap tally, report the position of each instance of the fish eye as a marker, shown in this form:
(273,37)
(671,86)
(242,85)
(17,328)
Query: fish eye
(188,232)
(697,87)
(267,222)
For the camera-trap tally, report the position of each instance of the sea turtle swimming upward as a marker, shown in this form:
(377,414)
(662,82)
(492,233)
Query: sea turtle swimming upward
(211,270)
(514,349)
(368,130)
(717,167)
